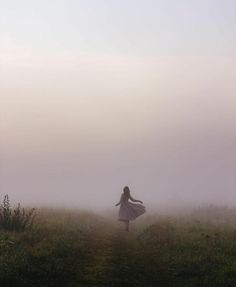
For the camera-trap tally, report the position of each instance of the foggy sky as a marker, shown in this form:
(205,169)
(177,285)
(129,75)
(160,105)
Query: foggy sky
(95,95)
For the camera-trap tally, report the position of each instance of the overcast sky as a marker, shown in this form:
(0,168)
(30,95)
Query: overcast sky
(95,95)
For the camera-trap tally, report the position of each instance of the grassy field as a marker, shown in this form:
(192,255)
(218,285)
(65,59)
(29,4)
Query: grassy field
(78,248)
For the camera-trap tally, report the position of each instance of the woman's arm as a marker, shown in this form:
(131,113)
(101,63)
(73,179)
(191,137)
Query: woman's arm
(119,201)
(134,200)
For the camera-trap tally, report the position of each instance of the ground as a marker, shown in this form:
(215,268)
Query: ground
(77,248)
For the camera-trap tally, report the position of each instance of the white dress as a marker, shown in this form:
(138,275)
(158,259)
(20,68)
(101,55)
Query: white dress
(128,210)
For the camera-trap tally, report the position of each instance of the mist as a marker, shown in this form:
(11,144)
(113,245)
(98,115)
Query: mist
(82,119)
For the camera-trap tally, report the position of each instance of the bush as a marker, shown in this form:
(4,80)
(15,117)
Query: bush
(15,219)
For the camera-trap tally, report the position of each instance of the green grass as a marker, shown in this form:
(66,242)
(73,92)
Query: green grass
(75,248)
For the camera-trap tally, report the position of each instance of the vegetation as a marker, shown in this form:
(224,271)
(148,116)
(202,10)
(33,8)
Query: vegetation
(78,248)
(15,219)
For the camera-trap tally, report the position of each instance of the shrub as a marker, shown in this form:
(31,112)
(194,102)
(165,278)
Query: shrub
(17,219)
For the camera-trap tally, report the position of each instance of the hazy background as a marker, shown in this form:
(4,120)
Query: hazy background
(95,95)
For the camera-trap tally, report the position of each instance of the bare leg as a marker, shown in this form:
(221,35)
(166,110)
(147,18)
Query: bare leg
(127,226)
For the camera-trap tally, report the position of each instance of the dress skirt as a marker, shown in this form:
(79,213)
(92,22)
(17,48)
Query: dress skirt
(130,211)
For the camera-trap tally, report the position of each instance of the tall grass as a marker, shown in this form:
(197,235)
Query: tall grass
(74,248)
(15,219)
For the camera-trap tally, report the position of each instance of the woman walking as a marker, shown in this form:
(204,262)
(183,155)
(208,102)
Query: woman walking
(129,211)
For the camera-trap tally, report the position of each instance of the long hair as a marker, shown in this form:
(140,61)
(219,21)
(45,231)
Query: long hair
(126,191)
